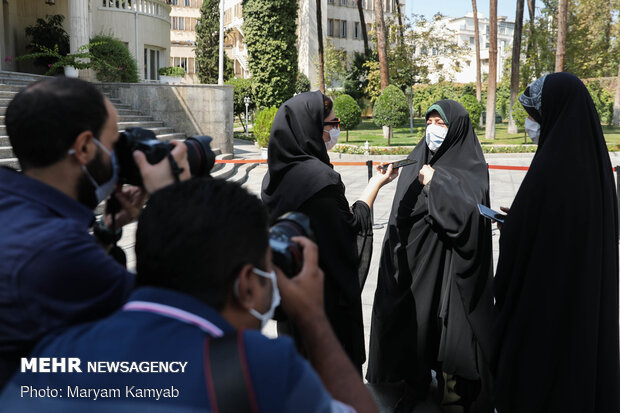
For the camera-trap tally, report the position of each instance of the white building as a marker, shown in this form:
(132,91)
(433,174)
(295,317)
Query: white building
(464,28)
(340,24)
(143,25)
(184,16)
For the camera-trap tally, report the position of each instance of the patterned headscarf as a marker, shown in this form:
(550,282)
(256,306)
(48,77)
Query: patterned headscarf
(531,99)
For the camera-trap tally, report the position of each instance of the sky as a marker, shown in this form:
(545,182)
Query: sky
(458,8)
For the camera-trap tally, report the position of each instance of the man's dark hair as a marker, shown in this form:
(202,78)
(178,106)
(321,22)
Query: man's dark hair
(328,105)
(195,236)
(44,119)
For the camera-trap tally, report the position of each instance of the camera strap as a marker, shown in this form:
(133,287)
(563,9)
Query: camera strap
(229,384)
(176,170)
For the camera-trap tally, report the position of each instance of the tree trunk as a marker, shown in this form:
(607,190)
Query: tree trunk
(531,7)
(478,75)
(561,42)
(514,72)
(401,28)
(319,29)
(382,44)
(616,121)
(491,89)
(363,24)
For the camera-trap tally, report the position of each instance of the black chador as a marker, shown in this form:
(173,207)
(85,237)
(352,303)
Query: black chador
(301,178)
(433,303)
(556,284)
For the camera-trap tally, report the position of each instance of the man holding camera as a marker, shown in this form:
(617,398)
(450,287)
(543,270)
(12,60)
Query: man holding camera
(206,285)
(52,272)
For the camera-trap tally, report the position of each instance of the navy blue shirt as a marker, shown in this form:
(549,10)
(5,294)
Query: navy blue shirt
(53,273)
(160,325)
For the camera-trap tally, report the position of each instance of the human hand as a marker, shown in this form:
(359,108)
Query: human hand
(426,174)
(499,224)
(157,176)
(302,295)
(131,199)
(386,175)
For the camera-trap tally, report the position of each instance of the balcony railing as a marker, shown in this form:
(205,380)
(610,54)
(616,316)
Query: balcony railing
(155,8)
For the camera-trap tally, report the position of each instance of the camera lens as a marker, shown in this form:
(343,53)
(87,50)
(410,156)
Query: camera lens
(199,155)
(287,254)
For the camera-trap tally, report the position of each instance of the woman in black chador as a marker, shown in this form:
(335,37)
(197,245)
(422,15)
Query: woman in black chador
(301,178)
(556,285)
(433,303)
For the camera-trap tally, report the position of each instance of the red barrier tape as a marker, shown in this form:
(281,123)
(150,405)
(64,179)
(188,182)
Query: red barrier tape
(244,161)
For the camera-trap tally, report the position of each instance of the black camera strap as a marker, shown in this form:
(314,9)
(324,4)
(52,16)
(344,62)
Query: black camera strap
(229,384)
(176,170)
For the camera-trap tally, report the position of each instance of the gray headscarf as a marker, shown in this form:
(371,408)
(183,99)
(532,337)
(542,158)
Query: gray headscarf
(531,99)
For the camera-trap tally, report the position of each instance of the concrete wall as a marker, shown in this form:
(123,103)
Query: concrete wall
(191,109)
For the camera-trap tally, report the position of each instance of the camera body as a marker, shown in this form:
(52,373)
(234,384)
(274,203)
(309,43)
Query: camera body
(199,154)
(287,254)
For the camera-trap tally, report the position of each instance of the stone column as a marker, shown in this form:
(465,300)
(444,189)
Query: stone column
(79,29)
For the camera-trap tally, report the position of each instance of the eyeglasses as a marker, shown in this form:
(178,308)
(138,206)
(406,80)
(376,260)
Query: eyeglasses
(332,122)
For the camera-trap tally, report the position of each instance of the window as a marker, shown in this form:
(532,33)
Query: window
(330,1)
(472,40)
(434,51)
(330,27)
(356,31)
(343,29)
(343,2)
(188,3)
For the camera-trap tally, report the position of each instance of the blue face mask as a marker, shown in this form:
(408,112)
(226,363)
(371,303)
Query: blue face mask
(103,191)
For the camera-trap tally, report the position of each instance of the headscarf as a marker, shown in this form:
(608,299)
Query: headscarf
(531,99)
(556,285)
(299,165)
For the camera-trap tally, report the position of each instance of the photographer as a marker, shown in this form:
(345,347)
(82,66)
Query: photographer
(52,272)
(206,285)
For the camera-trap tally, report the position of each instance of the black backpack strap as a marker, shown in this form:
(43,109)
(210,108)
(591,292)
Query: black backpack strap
(228,376)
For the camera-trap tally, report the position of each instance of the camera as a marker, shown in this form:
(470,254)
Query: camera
(199,154)
(287,254)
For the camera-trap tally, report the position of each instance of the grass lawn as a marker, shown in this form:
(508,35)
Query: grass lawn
(368,131)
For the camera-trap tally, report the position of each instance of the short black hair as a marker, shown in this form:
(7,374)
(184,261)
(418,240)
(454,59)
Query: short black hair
(328,105)
(44,119)
(195,236)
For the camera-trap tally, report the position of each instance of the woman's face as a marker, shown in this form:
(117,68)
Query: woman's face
(329,126)
(435,119)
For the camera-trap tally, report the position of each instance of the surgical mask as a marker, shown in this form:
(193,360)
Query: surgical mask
(532,128)
(275,297)
(103,191)
(334,133)
(435,136)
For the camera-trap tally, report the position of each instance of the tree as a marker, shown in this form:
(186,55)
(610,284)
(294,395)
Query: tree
(561,42)
(382,44)
(120,66)
(514,71)
(356,81)
(391,109)
(335,65)
(319,30)
(491,89)
(302,84)
(208,44)
(363,27)
(49,34)
(349,112)
(478,75)
(242,88)
(616,121)
(270,33)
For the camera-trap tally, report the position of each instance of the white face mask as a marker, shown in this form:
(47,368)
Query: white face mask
(532,128)
(435,136)
(275,297)
(103,191)
(334,133)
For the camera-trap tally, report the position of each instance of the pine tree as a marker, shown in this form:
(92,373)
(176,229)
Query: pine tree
(208,44)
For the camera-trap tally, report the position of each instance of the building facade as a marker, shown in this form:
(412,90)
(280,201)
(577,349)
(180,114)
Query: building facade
(143,25)
(465,36)
(184,17)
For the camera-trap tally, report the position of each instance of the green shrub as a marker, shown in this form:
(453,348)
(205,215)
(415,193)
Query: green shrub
(349,112)
(603,101)
(391,108)
(118,64)
(472,105)
(174,71)
(302,84)
(49,34)
(262,125)
(242,88)
(519,115)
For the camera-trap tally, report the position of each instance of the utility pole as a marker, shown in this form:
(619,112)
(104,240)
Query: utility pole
(220,79)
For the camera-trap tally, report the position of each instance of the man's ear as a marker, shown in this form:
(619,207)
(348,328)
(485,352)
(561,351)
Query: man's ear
(83,148)
(247,288)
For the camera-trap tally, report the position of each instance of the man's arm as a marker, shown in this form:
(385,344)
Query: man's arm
(302,299)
